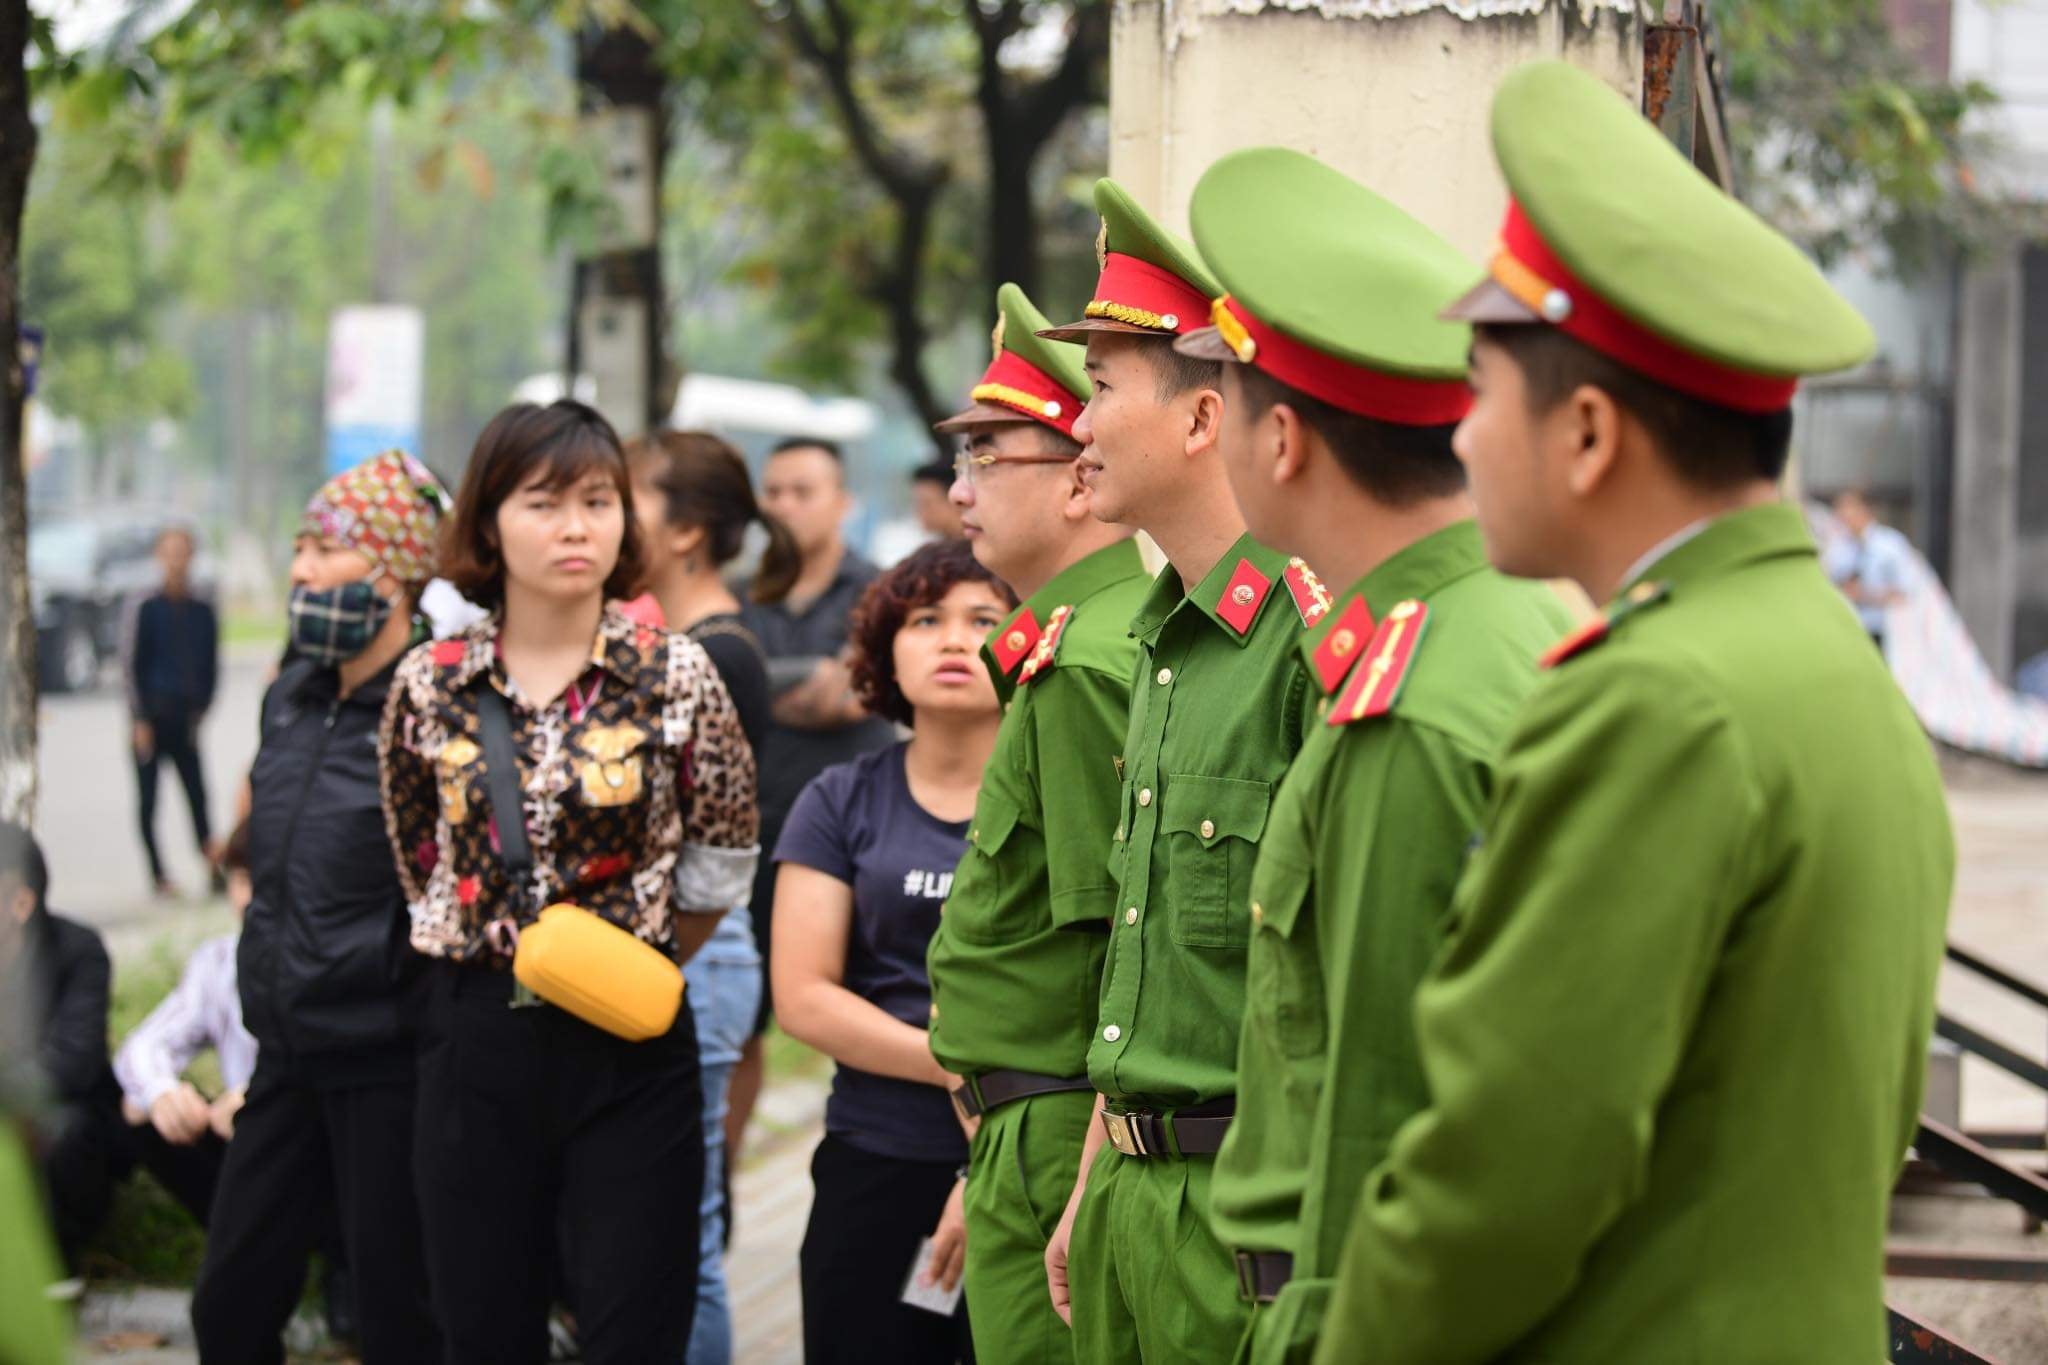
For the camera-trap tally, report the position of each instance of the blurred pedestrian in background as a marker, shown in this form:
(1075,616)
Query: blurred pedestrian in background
(172,667)
(864,865)
(695,502)
(323,965)
(816,719)
(931,488)
(1871,564)
(547,1145)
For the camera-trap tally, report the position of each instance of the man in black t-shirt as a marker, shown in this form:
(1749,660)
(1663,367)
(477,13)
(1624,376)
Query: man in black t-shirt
(173,666)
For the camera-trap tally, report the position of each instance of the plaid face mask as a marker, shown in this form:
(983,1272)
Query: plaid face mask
(332,625)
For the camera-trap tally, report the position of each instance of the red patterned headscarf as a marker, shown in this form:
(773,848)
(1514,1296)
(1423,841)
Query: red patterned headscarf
(388,508)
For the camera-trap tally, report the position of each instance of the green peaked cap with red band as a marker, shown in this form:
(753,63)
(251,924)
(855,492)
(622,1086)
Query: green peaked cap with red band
(1333,289)
(1152,282)
(1616,239)
(1030,379)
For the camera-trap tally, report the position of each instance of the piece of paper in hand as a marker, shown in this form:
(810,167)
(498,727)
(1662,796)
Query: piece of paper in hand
(933,1298)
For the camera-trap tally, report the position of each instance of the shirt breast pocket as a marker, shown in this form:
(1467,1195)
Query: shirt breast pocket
(1212,827)
(1004,915)
(1282,974)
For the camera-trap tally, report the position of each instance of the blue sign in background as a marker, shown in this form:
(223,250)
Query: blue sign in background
(350,446)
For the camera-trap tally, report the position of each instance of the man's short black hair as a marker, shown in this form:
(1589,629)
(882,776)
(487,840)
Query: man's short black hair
(933,471)
(1177,373)
(1710,446)
(808,443)
(1398,465)
(21,859)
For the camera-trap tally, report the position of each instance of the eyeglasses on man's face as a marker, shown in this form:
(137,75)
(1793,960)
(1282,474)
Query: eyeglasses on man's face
(968,466)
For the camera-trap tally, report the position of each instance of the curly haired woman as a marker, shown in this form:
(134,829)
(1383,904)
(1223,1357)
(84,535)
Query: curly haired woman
(865,862)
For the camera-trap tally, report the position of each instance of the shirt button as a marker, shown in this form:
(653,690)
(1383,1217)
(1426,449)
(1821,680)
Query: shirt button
(1131,915)
(1258,913)
(1165,676)
(935,1011)
(1145,796)
(1208,829)
(1111,1034)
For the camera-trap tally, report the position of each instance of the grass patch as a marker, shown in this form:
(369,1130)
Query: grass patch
(253,630)
(784,1058)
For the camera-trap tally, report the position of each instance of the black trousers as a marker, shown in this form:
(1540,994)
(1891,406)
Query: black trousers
(303,1160)
(177,744)
(96,1149)
(868,1214)
(543,1143)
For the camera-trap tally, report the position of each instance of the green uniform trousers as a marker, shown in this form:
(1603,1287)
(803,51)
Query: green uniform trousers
(1148,1278)
(33,1328)
(1025,1157)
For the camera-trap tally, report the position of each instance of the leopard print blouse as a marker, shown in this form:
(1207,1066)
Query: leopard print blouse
(639,764)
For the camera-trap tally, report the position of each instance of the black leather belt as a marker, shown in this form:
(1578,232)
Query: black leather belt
(1184,1132)
(1261,1275)
(977,1095)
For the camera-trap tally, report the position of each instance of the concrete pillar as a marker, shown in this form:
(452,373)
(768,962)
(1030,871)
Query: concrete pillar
(1392,92)
(1984,559)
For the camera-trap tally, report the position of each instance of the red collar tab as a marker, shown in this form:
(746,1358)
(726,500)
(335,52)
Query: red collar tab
(1354,388)
(1016,383)
(1311,598)
(1242,597)
(1374,688)
(1527,268)
(1145,295)
(1340,649)
(1600,627)
(1010,644)
(1048,645)
(1579,641)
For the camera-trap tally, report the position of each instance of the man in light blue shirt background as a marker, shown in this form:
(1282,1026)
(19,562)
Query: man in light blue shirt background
(1870,564)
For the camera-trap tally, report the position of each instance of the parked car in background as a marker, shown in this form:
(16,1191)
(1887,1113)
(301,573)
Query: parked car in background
(84,573)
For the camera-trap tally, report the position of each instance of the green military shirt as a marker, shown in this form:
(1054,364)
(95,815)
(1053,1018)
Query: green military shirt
(1353,886)
(1013,983)
(1219,705)
(1674,1051)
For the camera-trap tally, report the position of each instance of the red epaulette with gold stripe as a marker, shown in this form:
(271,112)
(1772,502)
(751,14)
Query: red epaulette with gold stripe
(1376,685)
(1014,644)
(1311,598)
(1601,626)
(1048,645)
(1339,649)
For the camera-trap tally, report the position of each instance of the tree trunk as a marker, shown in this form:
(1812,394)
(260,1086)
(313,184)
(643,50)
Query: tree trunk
(619,309)
(17,618)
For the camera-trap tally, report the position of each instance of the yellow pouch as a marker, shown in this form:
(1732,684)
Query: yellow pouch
(598,972)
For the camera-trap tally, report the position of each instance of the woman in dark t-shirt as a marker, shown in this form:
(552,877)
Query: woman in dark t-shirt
(864,864)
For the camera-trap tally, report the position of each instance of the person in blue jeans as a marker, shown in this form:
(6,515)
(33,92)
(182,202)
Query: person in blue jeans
(695,503)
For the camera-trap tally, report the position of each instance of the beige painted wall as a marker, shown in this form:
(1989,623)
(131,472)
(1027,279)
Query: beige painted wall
(1398,102)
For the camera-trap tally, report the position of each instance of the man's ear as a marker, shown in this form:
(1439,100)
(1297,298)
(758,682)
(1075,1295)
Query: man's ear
(1287,436)
(1590,428)
(1205,422)
(1075,498)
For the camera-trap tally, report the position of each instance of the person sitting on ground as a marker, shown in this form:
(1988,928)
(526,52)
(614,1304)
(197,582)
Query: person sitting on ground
(60,966)
(203,1011)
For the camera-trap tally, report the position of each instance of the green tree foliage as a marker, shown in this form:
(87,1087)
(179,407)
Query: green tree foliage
(1847,138)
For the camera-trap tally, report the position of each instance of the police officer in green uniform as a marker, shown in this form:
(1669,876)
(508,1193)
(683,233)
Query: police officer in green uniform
(1338,413)
(1017,961)
(1219,704)
(1674,1051)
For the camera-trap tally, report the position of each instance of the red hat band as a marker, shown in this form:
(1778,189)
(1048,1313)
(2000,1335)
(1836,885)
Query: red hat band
(1527,268)
(1144,295)
(1016,383)
(1357,389)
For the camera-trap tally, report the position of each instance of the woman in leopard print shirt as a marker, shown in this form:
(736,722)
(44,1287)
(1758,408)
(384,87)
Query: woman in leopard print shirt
(639,803)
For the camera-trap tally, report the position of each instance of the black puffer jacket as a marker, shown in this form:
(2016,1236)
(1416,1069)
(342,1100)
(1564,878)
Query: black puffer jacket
(324,962)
